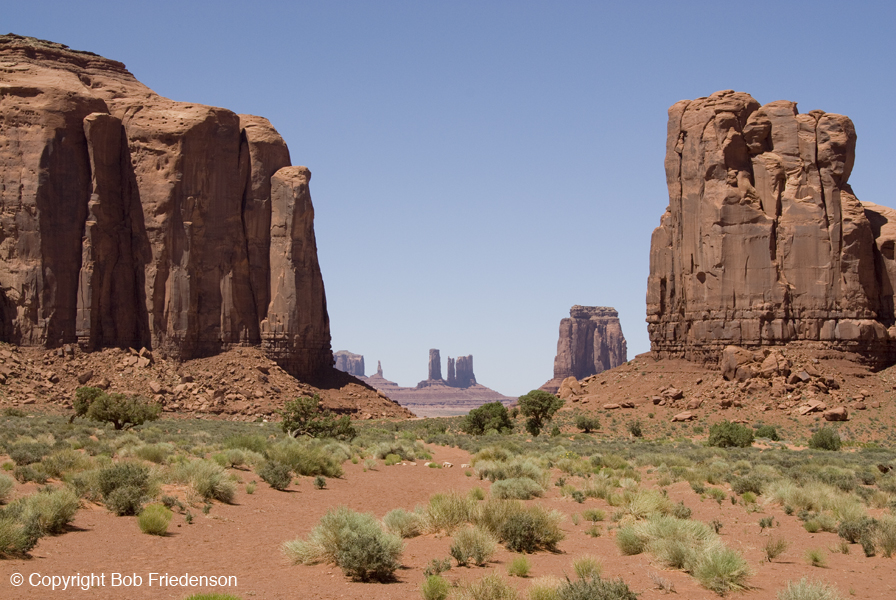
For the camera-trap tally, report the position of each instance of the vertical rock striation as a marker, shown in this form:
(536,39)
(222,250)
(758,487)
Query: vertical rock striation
(350,363)
(132,220)
(763,241)
(434,369)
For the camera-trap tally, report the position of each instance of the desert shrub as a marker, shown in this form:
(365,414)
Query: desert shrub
(403,523)
(595,588)
(519,488)
(531,529)
(768,432)
(62,461)
(587,423)
(490,587)
(254,442)
(748,484)
(539,408)
(275,475)
(305,417)
(774,547)
(27,453)
(369,554)
(231,458)
(33,472)
(629,542)
(46,512)
(320,483)
(852,530)
(519,566)
(587,567)
(825,438)
(157,453)
(476,493)
(680,511)
(207,478)
(447,512)
(634,428)
(807,589)
(544,588)
(154,519)
(435,587)
(437,567)
(646,503)
(594,514)
(730,435)
(124,487)
(7,485)
(353,541)
(16,538)
(473,544)
(308,458)
(391,459)
(721,569)
(123,412)
(492,415)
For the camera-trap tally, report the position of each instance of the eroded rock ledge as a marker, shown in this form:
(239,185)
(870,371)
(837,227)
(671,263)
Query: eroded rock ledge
(131,220)
(763,242)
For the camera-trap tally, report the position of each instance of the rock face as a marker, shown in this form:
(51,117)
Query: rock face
(353,364)
(131,220)
(435,366)
(764,242)
(590,342)
(464,376)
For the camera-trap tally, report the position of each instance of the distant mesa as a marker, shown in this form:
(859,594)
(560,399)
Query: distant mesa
(590,342)
(435,396)
(764,242)
(353,364)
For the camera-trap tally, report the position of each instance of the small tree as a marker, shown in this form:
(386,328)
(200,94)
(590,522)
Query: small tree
(493,415)
(122,411)
(539,408)
(587,423)
(825,438)
(727,434)
(304,416)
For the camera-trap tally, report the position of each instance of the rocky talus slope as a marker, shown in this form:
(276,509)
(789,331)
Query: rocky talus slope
(764,242)
(131,220)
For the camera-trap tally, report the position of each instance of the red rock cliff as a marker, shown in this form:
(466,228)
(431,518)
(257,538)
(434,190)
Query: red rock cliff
(764,242)
(132,220)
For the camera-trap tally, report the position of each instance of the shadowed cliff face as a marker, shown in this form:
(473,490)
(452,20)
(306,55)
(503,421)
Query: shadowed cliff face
(132,220)
(763,242)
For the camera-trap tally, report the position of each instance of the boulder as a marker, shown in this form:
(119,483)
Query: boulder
(684,416)
(570,387)
(612,406)
(836,414)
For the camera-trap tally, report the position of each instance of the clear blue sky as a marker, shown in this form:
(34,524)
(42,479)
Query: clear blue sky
(479,167)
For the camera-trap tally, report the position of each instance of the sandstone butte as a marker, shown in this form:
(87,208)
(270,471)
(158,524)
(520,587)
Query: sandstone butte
(764,242)
(590,342)
(132,220)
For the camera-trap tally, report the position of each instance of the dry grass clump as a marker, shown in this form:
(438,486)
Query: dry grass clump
(586,567)
(447,512)
(207,478)
(521,528)
(517,488)
(490,587)
(403,523)
(807,589)
(155,519)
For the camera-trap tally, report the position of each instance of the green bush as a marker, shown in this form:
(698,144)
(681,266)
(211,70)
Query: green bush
(520,488)
(595,588)
(587,567)
(27,453)
(275,475)
(155,519)
(353,541)
(531,529)
(308,458)
(727,435)
(492,415)
(124,487)
(435,587)
(16,539)
(539,408)
(472,545)
(825,438)
(587,423)
(807,589)
(305,416)
(768,432)
(852,530)
(123,412)
(447,512)
(26,473)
